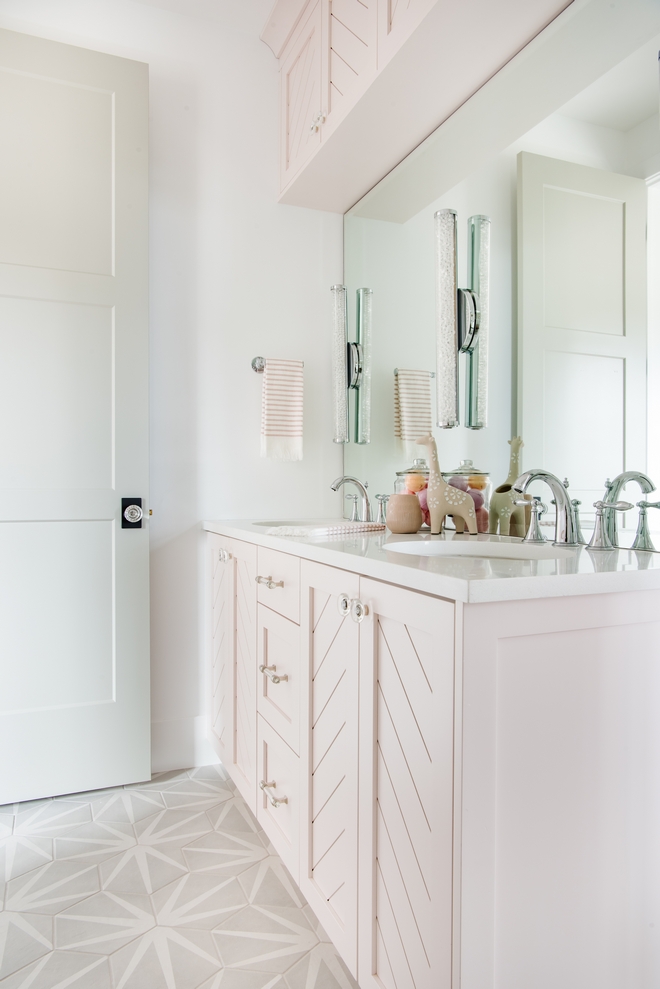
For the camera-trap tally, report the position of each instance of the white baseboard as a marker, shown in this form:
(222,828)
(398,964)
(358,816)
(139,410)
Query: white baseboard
(180,745)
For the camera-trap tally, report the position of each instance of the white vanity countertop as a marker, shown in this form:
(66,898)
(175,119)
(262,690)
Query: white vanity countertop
(470,579)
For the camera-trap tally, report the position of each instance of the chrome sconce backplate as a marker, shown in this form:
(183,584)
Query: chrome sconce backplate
(351,365)
(462,320)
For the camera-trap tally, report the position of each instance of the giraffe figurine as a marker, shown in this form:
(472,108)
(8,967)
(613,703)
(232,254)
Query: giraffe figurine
(444,499)
(512,519)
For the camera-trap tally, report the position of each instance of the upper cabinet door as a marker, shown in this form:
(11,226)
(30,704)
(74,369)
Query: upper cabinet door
(397,19)
(349,56)
(300,96)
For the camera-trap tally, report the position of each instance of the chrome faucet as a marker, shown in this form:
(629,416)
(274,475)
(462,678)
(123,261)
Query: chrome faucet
(365,510)
(565,528)
(613,490)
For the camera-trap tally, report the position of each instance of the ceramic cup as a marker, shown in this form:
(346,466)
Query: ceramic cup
(404,513)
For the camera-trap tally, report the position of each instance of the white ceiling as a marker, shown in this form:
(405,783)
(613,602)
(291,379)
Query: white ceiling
(241,15)
(625,96)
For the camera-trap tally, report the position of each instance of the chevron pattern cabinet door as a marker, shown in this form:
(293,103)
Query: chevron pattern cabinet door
(349,56)
(221,693)
(300,95)
(244,770)
(330,787)
(406,789)
(397,19)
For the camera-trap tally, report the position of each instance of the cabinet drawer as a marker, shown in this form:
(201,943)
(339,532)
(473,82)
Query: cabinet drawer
(278,693)
(278,806)
(283,572)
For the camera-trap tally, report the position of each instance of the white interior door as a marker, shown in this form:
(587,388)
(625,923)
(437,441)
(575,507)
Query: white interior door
(74,634)
(581,322)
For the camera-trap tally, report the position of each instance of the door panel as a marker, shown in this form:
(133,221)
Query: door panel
(330,771)
(406,789)
(56,399)
(74,639)
(59,173)
(581,322)
(66,567)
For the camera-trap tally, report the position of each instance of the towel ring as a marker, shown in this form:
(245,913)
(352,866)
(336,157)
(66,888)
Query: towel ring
(258,364)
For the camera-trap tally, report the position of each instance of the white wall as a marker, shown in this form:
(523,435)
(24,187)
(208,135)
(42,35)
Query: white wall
(233,276)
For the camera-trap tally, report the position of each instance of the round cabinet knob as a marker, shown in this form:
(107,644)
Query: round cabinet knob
(344,605)
(133,513)
(359,611)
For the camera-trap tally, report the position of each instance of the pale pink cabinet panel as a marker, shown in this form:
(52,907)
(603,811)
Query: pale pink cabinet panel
(300,95)
(397,19)
(278,582)
(349,56)
(406,789)
(329,839)
(221,713)
(279,671)
(232,729)
(278,803)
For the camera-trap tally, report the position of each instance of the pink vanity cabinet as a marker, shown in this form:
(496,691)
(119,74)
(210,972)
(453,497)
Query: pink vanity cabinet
(466,791)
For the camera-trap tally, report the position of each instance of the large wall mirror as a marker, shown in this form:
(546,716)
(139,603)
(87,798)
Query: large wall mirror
(562,151)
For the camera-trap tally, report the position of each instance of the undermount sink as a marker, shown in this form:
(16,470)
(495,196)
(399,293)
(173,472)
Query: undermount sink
(481,547)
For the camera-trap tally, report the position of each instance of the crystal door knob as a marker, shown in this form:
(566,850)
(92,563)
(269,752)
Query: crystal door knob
(133,513)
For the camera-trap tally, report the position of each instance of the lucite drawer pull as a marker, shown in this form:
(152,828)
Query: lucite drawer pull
(272,676)
(274,801)
(344,605)
(224,556)
(359,611)
(269,582)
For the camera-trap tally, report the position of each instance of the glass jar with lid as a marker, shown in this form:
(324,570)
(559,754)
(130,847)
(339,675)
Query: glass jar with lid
(477,483)
(412,479)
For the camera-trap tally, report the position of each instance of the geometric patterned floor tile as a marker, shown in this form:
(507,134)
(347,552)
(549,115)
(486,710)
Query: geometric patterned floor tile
(268,939)
(127,806)
(63,970)
(52,887)
(241,978)
(23,939)
(51,817)
(228,852)
(200,901)
(96,840)
(103,923)
(268,884)
(19,855)
(168,884)
(166,958)
(321,968)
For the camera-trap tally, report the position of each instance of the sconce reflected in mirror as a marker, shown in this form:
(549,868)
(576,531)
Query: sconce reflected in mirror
(351,365)
(462,320)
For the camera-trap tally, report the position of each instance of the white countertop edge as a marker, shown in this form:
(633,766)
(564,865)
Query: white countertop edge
(468,591)
(452,588)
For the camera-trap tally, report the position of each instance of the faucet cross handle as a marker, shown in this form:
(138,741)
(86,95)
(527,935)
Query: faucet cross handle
(643,539)
(354,509)
(382,507)
(538,508)
(601,538)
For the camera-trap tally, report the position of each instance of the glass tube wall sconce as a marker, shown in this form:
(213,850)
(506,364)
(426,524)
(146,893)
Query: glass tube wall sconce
(351,365)
(462,320)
